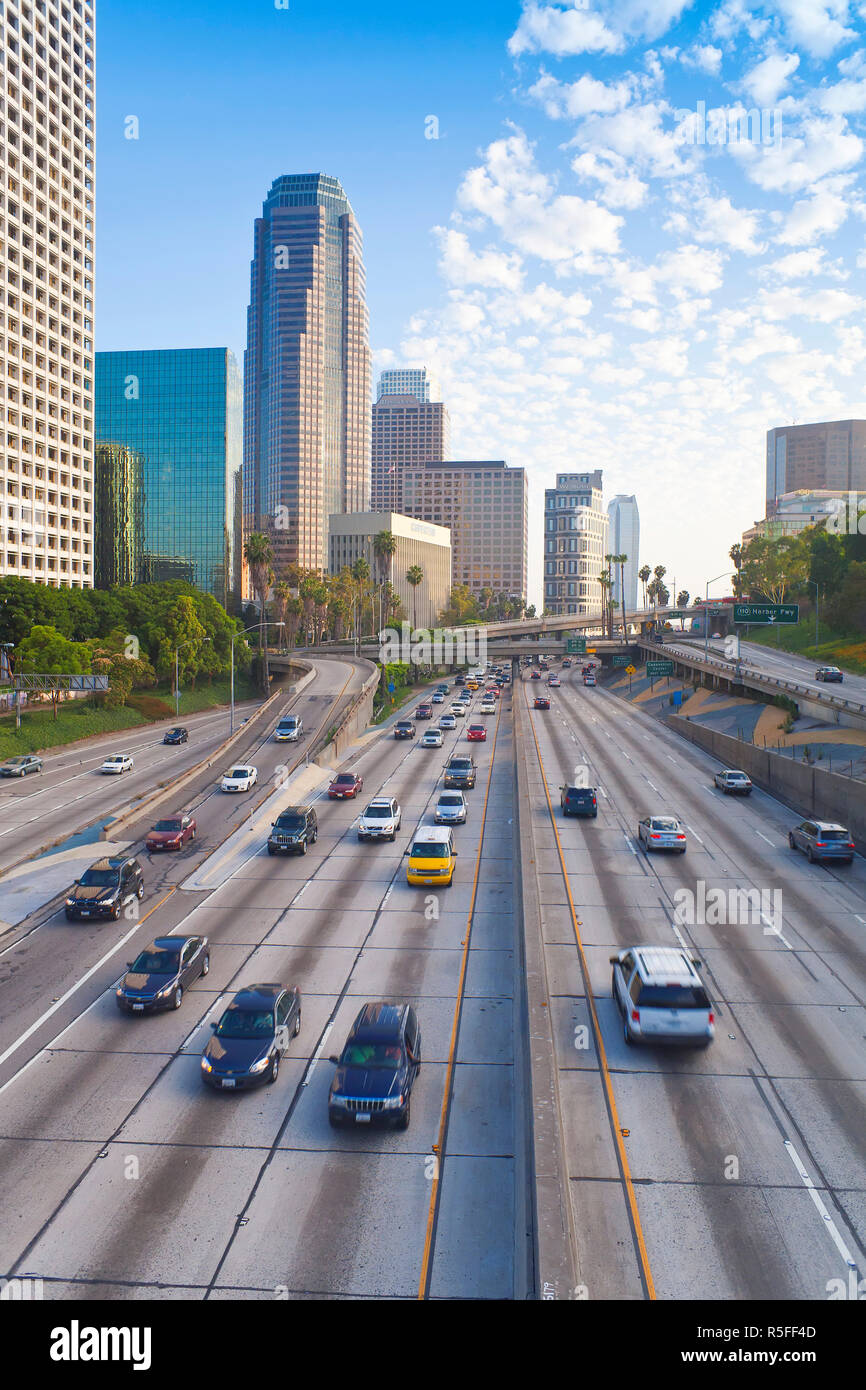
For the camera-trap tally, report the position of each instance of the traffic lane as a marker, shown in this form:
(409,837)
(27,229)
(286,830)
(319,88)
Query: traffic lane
(782,665)
(177,1016)
(42,966)
(820,1038)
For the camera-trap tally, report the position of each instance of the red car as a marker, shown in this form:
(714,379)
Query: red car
(535,676)
(492,693)
(171,833)
(542,702)
(345,786)
(476,733)
(424,712)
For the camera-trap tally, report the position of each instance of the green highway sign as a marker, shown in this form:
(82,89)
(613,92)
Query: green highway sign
(675,614)
(576,645)
(620,661)
(660,668)
(766,612)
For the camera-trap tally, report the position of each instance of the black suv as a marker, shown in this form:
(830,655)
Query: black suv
(460,772)
(293,830)
(404,728)
(377,1068)
(176,736)
(158,976)
(104,889)
(578,801)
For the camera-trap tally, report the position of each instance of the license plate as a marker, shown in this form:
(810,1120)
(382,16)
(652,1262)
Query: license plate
(138,1008)
(85,911)
(228,1083)
(362,1119)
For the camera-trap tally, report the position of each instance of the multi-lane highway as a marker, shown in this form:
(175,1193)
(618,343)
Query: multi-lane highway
(777,664)
(735,1172)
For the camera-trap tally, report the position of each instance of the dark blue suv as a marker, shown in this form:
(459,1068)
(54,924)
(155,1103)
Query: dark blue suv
(377,1068)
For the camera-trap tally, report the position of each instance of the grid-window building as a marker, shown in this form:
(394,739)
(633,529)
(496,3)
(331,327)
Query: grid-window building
(46,313)
(576,531)
(168,457)
(485,506)
(409,381)
(351,537)
(624,539)
(306,369)
(825,457)
(407,431)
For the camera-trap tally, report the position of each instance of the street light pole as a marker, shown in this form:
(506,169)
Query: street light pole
(252,628)
(723,575)
(814,583)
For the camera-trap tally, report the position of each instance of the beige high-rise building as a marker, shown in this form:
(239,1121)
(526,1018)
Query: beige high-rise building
(407,431)
(46,321)
(576,540)
(828,456)
(419,543)
(485,506)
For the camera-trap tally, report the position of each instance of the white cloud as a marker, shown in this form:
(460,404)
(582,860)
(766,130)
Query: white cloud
(618,186)
(799,264)
(815,217)
(462,266)
(717,222)
(705,57)
(580,98)
(816,25)
(734,16)
(767,79)
(824,146)
(549,29)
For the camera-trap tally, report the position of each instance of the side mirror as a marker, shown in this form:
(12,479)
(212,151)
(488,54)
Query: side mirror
(129,965)
(455,854)
(78,880)
(698,964)
(214,1027)
(335,1059)
(613,960)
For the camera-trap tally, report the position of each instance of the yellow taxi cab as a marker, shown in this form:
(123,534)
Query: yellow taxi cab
(431,858)
(472,685)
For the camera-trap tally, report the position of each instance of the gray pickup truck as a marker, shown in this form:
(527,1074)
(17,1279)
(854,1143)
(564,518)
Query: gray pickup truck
(460,772)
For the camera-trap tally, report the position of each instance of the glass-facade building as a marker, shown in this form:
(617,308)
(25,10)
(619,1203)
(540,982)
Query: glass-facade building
(306,370)
(169,439)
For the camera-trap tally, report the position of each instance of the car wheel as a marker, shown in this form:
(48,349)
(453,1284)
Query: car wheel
(315,837)
(115,912)
(178,997)
(275,1069)
(392,837)
(403,1122)
(333,1121)
(791,841)
(192,835)
(629,1040)
(683,850)
(809,855)
(297,1025)
(205,965)
(139,892)
(270,849)
(303,847)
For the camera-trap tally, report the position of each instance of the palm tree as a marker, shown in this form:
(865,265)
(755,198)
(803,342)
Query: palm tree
(294,609)
(643,575)
(414,576)
(280,604)
(259,555)
(384,546)
(360,579)
(605,581)
(621,560)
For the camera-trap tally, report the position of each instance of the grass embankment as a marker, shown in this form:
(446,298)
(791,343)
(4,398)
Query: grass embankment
(77,719)
(834,648)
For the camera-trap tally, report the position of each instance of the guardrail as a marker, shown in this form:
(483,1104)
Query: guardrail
(337,738)
(737,671)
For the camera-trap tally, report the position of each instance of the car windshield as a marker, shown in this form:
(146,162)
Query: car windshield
(290,822)
(345,779)
(239,772)
(115,759)
(673,997)
(665,823)
(246,1023)
(451,800)
(99,878)
(16,762)
(175,731)
(175,824)
(832,834)
(737,777)
(369,1054)
(459,765)
(429,849)
(288,723)
(476,728)
(155,963)
(378,812)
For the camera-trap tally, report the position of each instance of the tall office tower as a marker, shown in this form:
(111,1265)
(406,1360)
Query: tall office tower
(168,449)
(486,508)
(46,318)
(824,457)
(409,381)
(624,539)
(352,537)
(306,370)
(409,428)
(575,544)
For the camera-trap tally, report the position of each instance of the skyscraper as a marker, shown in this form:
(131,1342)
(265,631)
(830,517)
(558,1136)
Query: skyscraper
(306,369)
(46,260)
(624,539)
(828,456)
(575,544)
(168,449)
(485,506)
(411,426)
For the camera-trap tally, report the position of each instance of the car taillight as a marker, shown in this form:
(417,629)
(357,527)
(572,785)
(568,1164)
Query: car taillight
(635,1015)
(654,836)
(850,844)
(681,837)
(712,1017)
(821,844)
(593,801)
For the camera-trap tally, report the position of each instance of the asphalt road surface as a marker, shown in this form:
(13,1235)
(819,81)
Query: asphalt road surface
(780,665)
(688,1169)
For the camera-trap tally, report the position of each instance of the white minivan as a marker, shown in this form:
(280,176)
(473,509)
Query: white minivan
(289,729)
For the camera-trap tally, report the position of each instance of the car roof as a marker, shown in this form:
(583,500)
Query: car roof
(666,962)
(109,862)
(295,811)
(827,824)
(167,943)
(257,996)
(432,834)
(382,801)
(379,1020)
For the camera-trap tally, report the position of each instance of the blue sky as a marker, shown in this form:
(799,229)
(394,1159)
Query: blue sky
(599,279)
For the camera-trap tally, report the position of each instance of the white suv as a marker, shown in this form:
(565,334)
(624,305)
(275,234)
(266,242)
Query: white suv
(381,819)
(661,996)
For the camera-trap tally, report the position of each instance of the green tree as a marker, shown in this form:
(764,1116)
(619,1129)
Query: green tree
(259,555)
(184,634)
(414,577)
(47,652)
(643,575)
(384,547)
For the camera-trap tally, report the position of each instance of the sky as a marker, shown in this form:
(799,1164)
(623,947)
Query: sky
(625,234)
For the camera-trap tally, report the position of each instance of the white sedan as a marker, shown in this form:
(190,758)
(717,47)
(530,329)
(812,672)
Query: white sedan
(240,779)
(117,763)
(432,739)
(487,707)
(458,710)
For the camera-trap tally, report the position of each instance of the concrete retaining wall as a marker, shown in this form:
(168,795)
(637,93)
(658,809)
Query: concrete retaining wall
(354,721)
(811,791)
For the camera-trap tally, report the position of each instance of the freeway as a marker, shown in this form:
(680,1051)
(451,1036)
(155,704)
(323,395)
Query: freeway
(735,1172)
(778,664)
(127,1179)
